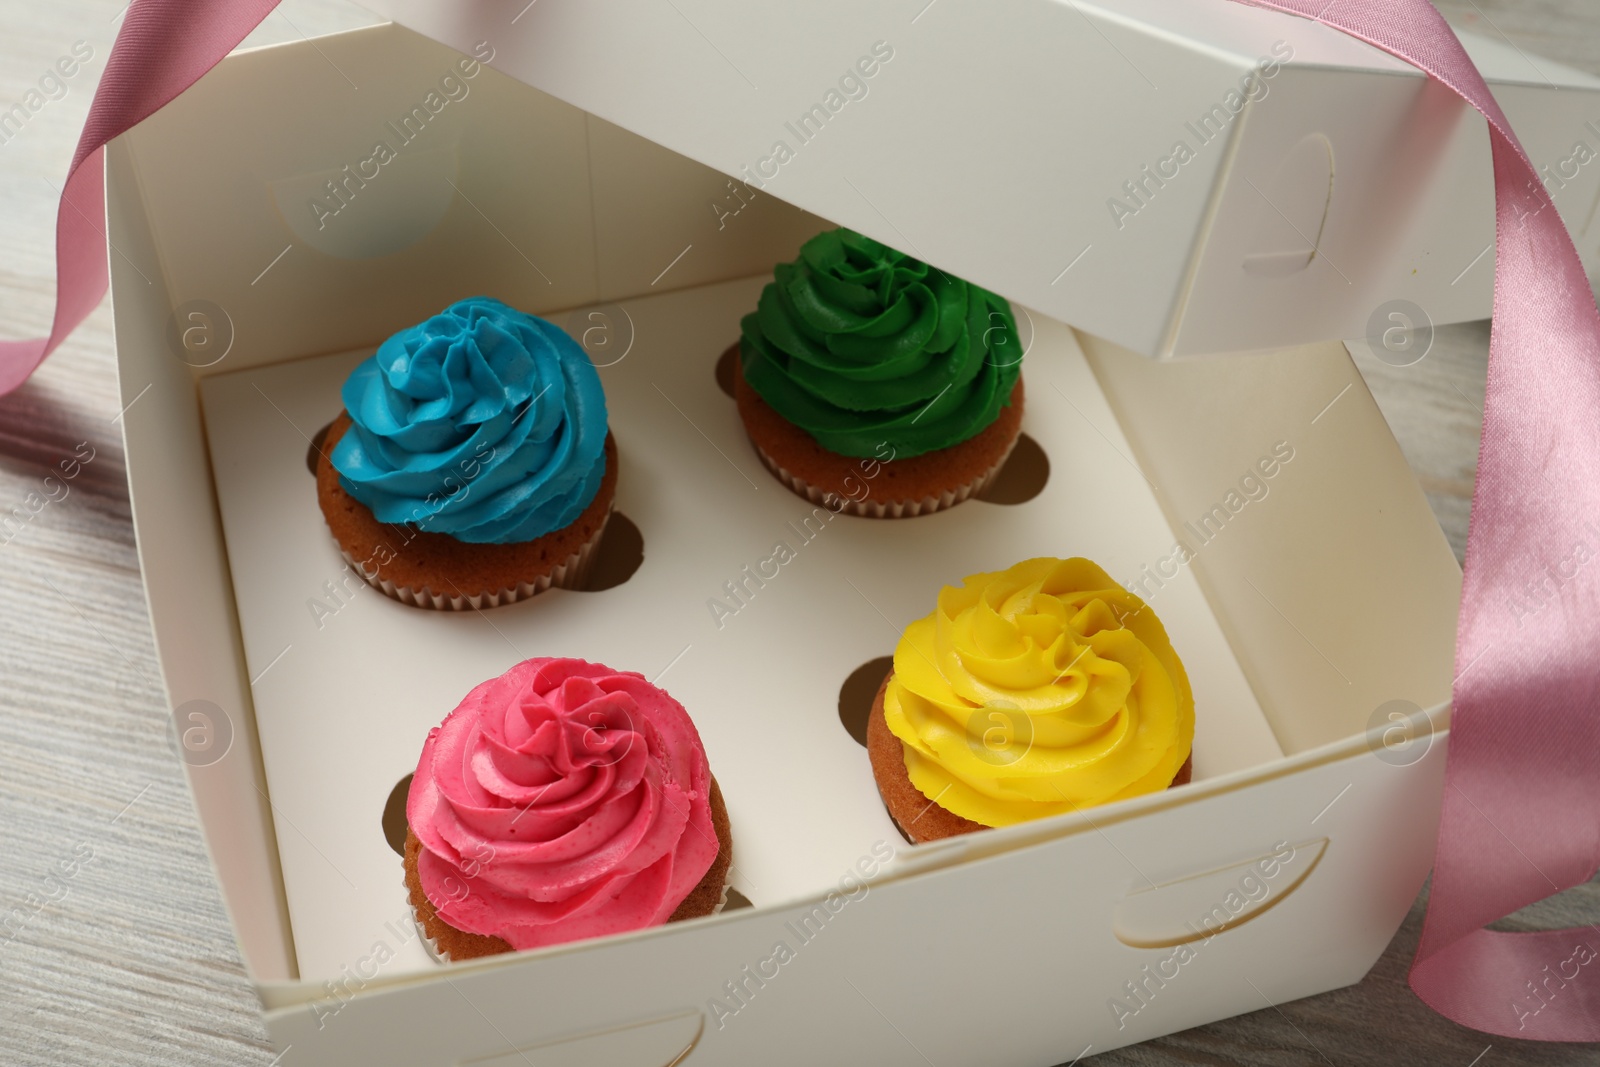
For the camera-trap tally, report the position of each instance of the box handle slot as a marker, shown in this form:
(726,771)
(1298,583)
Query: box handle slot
(660,1042)
(1292,211)
(1197,907)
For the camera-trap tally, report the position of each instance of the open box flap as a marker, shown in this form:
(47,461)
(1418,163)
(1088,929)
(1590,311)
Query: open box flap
(1060,139)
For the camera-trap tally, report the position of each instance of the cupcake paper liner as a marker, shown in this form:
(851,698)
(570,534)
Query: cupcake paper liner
(885,509)
(440,956)
(571,573)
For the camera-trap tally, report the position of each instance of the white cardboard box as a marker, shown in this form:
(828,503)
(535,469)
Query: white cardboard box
(1315,609)
(1344,149)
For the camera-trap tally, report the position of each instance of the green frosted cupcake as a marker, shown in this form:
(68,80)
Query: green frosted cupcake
(876,384)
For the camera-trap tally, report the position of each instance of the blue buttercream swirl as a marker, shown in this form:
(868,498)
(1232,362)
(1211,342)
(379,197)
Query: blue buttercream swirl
(483,423)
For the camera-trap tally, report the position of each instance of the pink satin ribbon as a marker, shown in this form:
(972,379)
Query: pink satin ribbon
(1521,814)
(162,49)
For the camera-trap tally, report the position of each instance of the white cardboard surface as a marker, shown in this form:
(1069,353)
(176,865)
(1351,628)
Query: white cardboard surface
(344,700)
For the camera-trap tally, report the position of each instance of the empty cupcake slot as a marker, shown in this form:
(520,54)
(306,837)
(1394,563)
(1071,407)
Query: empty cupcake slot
(857,693)
(618,557)
(1022,478)
(315,449)
(394,816)
(727,367)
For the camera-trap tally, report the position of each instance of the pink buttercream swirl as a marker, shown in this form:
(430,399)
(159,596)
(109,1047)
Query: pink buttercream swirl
(559,801)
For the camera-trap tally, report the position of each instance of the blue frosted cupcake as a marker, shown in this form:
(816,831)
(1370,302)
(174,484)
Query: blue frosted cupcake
(472,465)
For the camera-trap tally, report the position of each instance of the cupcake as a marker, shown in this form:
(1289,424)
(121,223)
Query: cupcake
(875,384)
(1029,692)
(472,465)
(559,801)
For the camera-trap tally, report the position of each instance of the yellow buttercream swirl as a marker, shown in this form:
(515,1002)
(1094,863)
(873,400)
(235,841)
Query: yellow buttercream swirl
(1038,690)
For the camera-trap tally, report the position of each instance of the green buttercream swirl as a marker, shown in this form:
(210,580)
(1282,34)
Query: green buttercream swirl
(858,344)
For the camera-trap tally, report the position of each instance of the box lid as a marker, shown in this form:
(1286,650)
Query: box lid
(1179,178)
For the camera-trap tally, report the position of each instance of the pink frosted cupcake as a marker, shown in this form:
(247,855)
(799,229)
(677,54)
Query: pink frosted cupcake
(559,801)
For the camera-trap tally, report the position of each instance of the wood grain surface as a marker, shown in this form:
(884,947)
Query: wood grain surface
(114,945)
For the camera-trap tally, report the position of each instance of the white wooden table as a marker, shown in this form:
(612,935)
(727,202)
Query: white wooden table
(114,946)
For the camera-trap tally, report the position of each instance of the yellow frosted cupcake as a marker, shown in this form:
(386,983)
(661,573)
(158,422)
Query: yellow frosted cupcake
(1029,692)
